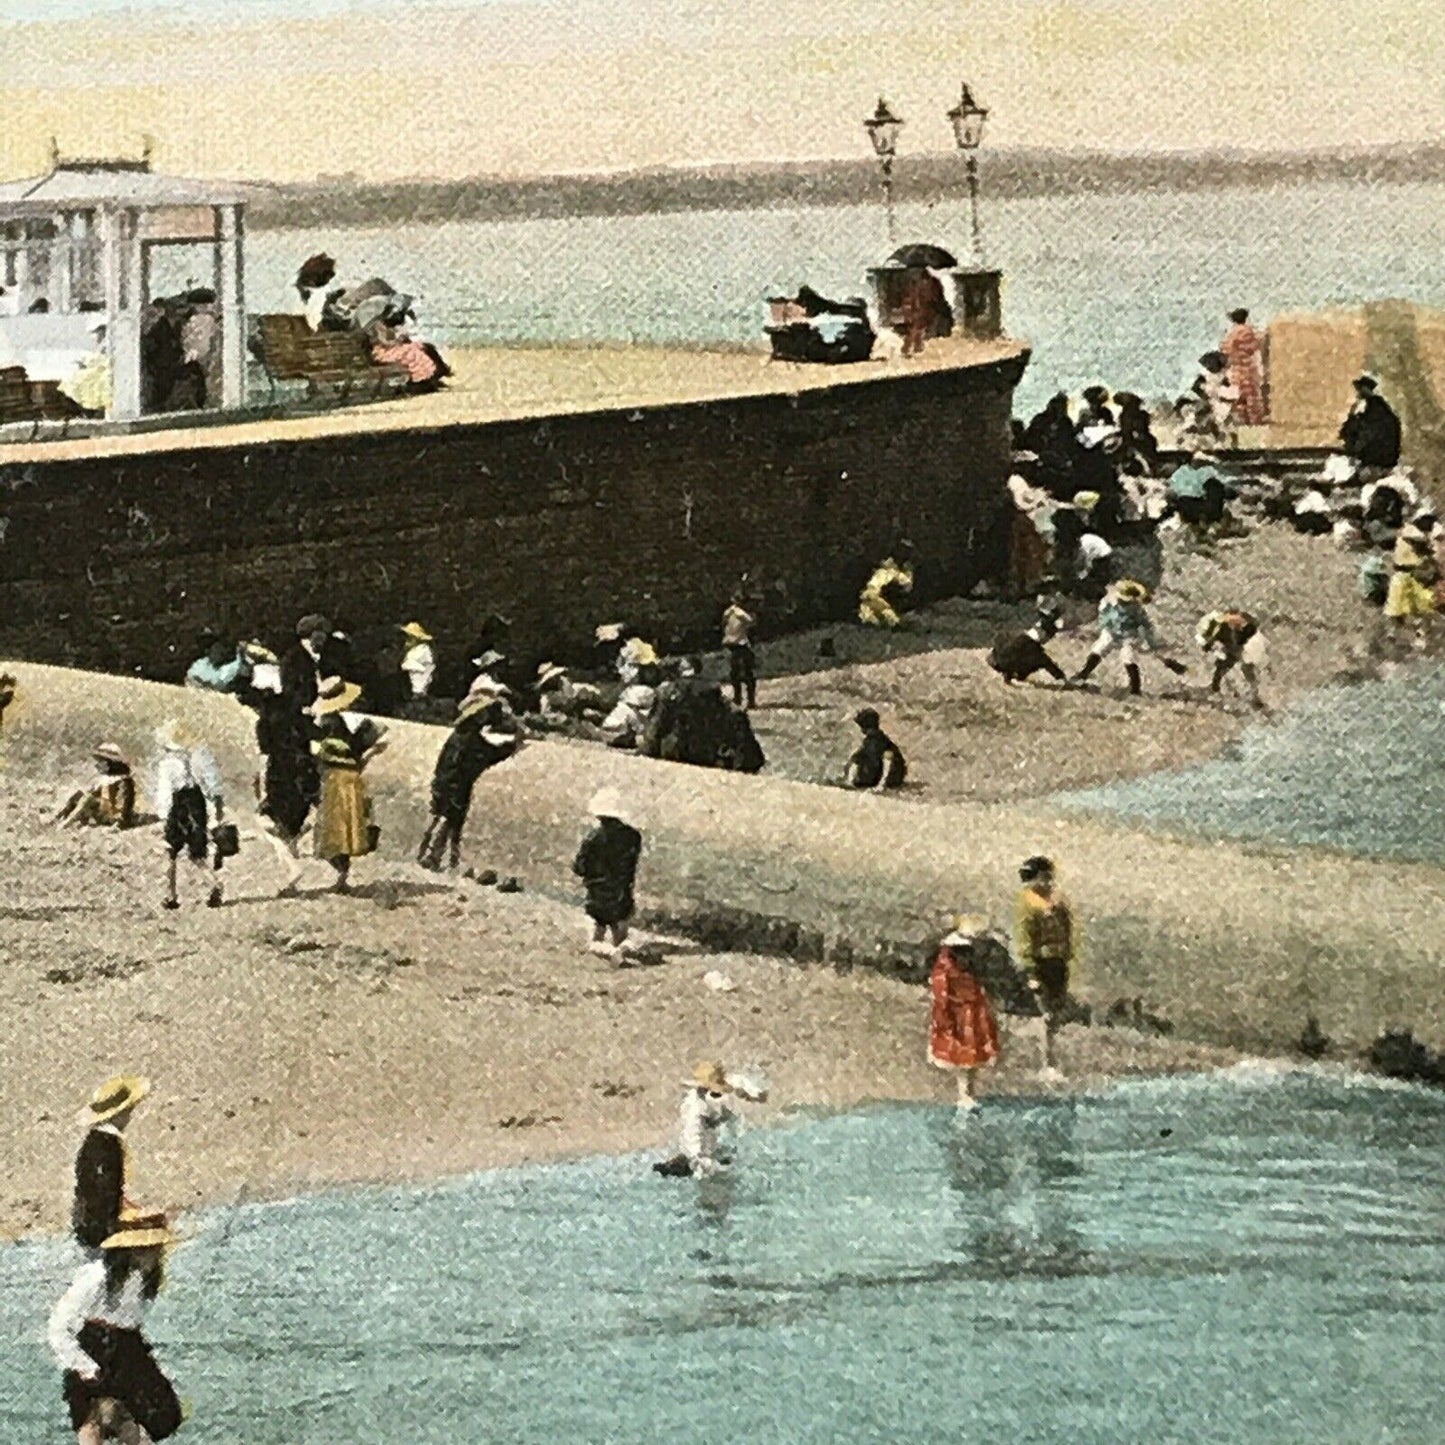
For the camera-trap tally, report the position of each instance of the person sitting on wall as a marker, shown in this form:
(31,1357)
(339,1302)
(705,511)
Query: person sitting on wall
(877,762)
(1370,433)
(222,667)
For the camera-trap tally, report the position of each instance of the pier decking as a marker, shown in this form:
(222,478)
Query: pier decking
(512,383)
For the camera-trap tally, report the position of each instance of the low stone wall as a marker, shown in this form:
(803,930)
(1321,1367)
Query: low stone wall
(557,522)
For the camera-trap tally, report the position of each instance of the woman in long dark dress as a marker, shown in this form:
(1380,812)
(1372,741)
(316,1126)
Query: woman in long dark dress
(289,782)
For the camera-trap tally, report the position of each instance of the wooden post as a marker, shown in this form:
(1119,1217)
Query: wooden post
(232,296)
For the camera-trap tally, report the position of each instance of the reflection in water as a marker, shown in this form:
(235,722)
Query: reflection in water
(1014,1189)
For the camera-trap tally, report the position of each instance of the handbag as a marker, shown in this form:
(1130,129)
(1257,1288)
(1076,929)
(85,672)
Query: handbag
(226,839)
(373,837)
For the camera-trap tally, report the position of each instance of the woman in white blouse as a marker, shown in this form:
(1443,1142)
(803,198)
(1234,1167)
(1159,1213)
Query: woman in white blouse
(112,1384)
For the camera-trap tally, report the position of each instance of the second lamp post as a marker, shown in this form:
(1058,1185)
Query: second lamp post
(883,127)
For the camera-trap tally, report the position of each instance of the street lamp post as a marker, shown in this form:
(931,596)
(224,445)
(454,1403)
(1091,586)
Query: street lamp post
(967,119)
(883,127)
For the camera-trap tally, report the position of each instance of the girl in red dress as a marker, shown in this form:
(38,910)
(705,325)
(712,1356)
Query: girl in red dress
(964,1035)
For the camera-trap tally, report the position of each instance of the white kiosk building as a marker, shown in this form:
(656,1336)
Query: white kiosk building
(76,254)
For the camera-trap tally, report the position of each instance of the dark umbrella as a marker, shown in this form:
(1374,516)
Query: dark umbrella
(935,258)
(316,271)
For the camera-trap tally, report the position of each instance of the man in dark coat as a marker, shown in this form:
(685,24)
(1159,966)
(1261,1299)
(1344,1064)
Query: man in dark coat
(1371,432)
(478,741)
(100,1163)
(607,865)
(1050,436)
(301,663)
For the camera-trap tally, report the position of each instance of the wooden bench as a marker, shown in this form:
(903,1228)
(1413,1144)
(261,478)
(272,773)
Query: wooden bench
(327,361)
(16,402)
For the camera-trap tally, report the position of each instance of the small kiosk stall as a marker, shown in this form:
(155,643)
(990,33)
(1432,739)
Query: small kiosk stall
(80,332)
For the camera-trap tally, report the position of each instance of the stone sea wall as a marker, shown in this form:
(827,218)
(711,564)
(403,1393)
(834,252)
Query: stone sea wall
(558,523)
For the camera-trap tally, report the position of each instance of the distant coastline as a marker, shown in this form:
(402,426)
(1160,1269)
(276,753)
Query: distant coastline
(351,201)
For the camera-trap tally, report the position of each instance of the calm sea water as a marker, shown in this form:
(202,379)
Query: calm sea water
(1252,1257)
(1124,289)
(1359,768)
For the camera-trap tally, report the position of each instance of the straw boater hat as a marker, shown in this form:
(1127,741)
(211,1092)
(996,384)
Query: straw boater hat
(259,652)
(114,1097)
(1086,501)
(490,658)
(610,631)
(417,632)
(966,928)
(335,696)
(1130,591)
(548,672)
(608,803)
(141,1231)
(710,1076)
(110,753)
(173,737)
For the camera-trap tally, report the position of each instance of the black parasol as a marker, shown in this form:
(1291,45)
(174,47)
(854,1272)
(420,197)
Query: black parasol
(935,258)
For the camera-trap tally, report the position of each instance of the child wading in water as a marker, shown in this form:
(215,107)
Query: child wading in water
(705,1111)
(964,1035)
(187,790)
(478,742)
(607,865)
(112,1385)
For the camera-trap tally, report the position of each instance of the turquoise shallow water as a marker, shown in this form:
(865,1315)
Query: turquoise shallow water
(1359,768)
(1252,1257)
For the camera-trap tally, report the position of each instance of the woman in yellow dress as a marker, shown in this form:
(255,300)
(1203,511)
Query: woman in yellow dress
(345,743)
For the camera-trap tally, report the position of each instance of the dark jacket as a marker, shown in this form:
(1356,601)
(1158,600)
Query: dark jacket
(99,1187)
(878,760)
(607,864)
(1371,434)
(464,757)
(298,678)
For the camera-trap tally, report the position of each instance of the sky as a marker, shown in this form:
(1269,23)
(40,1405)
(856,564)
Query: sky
(388,89)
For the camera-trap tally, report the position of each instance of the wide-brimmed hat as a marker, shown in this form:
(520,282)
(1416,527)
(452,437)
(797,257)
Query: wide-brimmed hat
(610,631)
(258,652)
(313,623)
(335,695)
(609,803)
(1131,591)
(1366,383)
(485,692)
(114,1097)
(548,671)
(712,1076)
(145,1232)
(966,928)
(490,658)
(416,632)
(174,737)
(1086,501)
(110,753)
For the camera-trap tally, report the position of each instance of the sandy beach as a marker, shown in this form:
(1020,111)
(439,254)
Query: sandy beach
(423,1027)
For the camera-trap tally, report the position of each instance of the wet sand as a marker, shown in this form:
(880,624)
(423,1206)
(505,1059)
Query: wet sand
(422,1028)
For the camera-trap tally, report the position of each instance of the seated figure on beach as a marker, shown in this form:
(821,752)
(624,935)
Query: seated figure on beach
(877,763)
(222,667)
(108,800)
(705,1114)
(629,718)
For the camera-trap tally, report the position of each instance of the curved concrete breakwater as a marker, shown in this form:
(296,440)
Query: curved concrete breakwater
(1233,943)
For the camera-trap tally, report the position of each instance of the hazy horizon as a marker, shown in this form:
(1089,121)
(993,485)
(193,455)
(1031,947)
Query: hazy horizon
(286,90)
